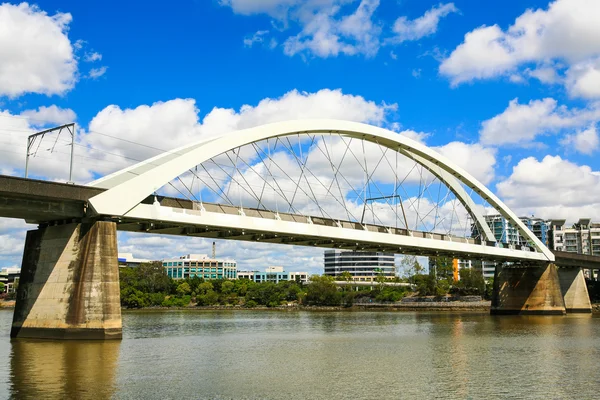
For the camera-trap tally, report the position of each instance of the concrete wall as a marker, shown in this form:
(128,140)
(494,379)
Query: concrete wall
(527,291)
(69,286)
(574,290)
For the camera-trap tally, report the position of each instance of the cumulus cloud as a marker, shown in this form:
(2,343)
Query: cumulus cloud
(36,54)
(583,79)
(425,25)
(50,156)
(585,141)
(476,159)
(49,115)
(520,124)
(566,31)
(552,188)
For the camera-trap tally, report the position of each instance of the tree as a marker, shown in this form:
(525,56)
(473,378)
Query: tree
(2,287)
(347,277)
(443,268)
(407,264)
(184,289)
(322,291)
(471,282)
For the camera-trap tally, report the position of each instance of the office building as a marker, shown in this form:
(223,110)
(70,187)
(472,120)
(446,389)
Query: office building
(362,266)
(200,265)
(273,274)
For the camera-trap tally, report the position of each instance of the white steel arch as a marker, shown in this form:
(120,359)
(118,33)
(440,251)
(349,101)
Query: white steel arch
(128,187)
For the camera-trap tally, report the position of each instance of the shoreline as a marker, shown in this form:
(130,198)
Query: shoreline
(457,306)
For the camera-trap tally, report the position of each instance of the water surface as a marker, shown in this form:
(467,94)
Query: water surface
(313,355)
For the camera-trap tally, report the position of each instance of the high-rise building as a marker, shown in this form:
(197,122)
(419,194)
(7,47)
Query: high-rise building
(362,266)
(200,265)
(583,237)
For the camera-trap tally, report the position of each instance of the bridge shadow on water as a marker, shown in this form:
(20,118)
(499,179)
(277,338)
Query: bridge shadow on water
(63,369)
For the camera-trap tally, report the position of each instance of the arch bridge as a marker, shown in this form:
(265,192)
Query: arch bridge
(324,183)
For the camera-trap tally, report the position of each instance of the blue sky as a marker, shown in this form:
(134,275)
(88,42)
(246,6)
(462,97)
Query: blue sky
(514,84)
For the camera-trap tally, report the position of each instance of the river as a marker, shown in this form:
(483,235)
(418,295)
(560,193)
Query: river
(313,355)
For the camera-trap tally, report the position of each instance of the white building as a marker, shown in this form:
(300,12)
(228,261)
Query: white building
(583,237)
(363,266)
(200,265)
(128,260)
(273,274)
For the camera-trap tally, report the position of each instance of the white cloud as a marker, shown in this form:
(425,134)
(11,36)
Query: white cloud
(166,125)
(91,57)
(479,161)
(257,37)
(50,156)
(520,124)
(96,73)
(425,25)
(583,79)
(545,74)
(552,188)
(36,54)
(568,30)
(329,28)
(49,115)
(585,141)
(323,35)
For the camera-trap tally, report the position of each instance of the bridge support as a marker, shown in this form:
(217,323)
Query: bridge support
(533,290)
(69,285)
(574,290)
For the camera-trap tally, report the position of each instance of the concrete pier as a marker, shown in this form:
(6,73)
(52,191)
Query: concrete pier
(574,290)
(523,291)
(69,285)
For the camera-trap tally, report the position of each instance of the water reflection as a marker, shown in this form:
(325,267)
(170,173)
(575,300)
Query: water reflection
(67,370)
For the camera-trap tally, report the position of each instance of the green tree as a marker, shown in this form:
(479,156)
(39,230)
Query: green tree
(184,289)
(471,282)
(347,277)
(322,291)
(2,287)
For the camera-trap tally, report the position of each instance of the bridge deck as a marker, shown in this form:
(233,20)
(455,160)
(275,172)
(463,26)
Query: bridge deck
(42,202)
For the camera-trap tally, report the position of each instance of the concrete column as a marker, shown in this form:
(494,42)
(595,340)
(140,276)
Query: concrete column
(574,290)
(532,290)
(69,285)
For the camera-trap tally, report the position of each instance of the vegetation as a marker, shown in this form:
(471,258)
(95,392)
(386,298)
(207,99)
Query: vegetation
(149,286)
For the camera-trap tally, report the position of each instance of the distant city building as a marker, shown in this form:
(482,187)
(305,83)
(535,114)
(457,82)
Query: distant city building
(200,265)
(128,260)
(583,237)
(9,276)
(506,233)
(362,266)
(273,274)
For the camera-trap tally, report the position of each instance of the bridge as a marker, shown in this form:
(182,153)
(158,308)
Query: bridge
(322,183)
